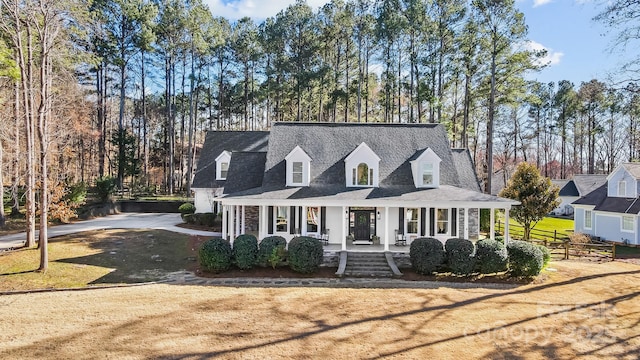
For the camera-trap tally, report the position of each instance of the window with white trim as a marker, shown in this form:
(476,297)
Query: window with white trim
(427,174)
(282,219)
(313,219)
(296,172)
(442,221)
(413,216)
(224,169)
(622,188)
(627,223)
(364,175)
(587,219)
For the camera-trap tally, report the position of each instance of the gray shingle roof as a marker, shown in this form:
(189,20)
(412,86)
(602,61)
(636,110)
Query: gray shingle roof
(328,144)
(218,141)
(245,171)
(601,202)
(633,169)
(586,183)
(567,187)
(466,171)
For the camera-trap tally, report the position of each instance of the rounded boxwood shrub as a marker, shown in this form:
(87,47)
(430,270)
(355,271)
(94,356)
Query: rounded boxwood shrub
(426,255)
(266,247)
(245,251)
(215,255)
(305,254)
(546,255)
(187,208)
(491,256)
(460,256)
(525,259)
(189,218)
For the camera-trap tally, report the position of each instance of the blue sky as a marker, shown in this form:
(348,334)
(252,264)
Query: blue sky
(578,48)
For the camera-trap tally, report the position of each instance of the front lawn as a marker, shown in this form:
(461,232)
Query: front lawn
(99,257)
(544,228)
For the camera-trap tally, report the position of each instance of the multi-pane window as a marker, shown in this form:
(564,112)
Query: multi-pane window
(282,218)
(363,175)
(412,221)
(627,223)
(224,169)
(427,174)
(622,188)
(313,219)
(297,172)
(442,217)
(587,219)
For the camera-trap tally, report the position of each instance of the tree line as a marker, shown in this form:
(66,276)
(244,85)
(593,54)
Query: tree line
(127,88)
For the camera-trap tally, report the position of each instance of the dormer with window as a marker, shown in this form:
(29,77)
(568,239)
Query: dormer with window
(222,165)
(426,169)
(361,167)
(298,167)
(622,182)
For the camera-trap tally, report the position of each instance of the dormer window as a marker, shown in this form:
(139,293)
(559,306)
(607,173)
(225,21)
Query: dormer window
(427,174)
(426,169)
(361,167)
(222,165)
(362,176)
(298,167)
(622,188)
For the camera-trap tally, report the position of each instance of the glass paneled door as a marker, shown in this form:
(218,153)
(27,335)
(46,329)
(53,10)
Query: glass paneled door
(362,224)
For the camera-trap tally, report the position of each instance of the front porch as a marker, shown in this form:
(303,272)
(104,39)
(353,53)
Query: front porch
(361,228)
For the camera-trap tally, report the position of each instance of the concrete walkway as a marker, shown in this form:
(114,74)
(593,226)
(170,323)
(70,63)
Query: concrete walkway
(156,221)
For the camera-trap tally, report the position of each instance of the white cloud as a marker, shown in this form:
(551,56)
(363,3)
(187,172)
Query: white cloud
(551,58)
(537,3)
(255,9)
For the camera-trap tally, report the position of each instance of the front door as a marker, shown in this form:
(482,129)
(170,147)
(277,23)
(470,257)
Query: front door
(362,224)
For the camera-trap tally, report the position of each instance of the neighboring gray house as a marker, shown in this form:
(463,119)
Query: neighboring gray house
(611,210)
(370,181)
(573,189)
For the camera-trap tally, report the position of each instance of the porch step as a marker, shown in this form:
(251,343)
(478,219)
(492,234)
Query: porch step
(361,264)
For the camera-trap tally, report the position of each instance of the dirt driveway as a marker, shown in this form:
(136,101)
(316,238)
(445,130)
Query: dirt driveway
(580,310)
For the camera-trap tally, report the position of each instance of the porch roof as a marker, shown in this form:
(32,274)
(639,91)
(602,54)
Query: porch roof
(335,195)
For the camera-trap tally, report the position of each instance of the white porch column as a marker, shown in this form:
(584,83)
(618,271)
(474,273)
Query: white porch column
(237,220)
(243,227)
(232,223)
(506,226)
(466,223)
(344,228)
(386,228)
(224,222)
(262,223)
(303,222)
(492,224)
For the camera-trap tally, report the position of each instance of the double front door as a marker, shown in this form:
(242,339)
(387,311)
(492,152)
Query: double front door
(362,223)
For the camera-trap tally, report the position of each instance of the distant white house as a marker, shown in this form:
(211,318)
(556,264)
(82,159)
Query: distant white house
(575,188)
(611,210)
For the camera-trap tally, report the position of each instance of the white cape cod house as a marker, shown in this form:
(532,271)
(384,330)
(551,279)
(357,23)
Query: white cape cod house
(368,183)
(611,210)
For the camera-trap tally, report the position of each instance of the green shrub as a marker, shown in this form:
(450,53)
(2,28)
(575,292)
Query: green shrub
(525,259)
(305,254)
(546,255)
(206,219)
(189,218)
(267,245)
(426,254)
(245,251)
(187,208)
(491,256)
(499,238)
(278,254)
(106,187)
(215,255)
(460,256)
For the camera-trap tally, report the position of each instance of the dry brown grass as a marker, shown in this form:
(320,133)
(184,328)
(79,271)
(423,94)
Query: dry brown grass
(581,310)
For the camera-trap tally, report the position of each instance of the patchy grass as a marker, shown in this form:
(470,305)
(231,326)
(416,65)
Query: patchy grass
(99,257)
(582,310)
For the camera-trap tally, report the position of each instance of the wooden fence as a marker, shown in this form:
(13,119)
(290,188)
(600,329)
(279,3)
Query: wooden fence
(560,243)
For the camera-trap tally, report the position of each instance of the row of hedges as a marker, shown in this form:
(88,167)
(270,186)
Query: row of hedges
(304,255)
(487,256)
